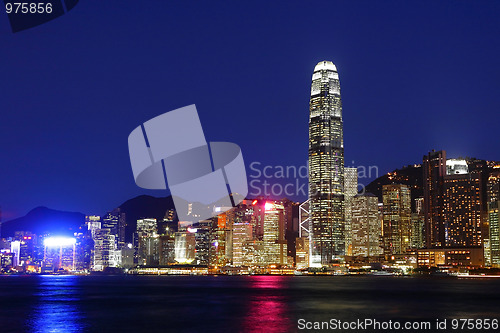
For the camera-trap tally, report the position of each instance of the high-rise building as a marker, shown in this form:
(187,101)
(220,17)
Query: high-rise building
(106,253)
(274,232)
(167,249)
(462,203)
(350,190)
(434,166)
(93,222)
(418,225)
(242,233)
(26,247)
(116,222)
(366,228)
(148,242)
(201,232)
(185,244)
(59,254)
(397,218)
(494,240)
(326,166)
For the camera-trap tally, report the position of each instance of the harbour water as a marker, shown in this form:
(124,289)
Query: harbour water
(232,303)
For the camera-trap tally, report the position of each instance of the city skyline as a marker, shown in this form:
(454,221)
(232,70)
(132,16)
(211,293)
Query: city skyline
(367,132)
(67,152)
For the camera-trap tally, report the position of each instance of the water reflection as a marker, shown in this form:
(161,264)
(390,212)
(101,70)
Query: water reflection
(57,307)
(269,306)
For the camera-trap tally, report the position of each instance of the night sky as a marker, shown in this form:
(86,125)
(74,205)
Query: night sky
(414,77)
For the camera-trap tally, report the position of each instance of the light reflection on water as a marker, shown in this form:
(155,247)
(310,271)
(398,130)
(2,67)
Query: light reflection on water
(231,303)
(57,307)
(268,307)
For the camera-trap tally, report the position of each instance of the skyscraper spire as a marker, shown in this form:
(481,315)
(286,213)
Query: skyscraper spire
(326,166)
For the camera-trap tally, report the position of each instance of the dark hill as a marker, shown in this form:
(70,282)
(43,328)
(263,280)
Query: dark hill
(44,220)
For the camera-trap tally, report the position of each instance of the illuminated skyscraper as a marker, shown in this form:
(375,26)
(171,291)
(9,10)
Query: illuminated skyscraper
(455,191)
(59,254)
(274,231)
(462,202)
(242,232)
(350,190)
(326,166)
(185,244)
(148,242)
(116,222)
(366,228)
(106,253)
(494,246)
(434,171)
(397,218)
(418,225)
(493,185)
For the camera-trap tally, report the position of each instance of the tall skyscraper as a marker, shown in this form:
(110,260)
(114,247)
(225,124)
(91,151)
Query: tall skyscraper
(434,171)
(462,203)
(454,201)
(326,166)
(418,225)
(350,190)
(494,240)
(397,218)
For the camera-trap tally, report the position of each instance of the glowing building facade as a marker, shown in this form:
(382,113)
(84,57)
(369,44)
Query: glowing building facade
(59,254)
(462,203)
(184,247)
(350,190)
(274,231)
(326,166)
(242,233)
(397,219)
(148,242)
(494,241)
(106,253)
(434,165)
(366,228)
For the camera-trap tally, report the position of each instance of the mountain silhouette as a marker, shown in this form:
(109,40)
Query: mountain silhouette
(41,220)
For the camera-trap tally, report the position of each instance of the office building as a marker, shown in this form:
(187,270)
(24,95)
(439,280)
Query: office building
(350,190)
(59,254)
(106,253)
(147,246)
(434,166)
(242,233)
(185,245)
(274,232)
(116,222)
(326,166)
(366,228)
(397,218)
(494,240)
(462,203)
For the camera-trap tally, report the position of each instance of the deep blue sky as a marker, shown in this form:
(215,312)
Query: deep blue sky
(414,76)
